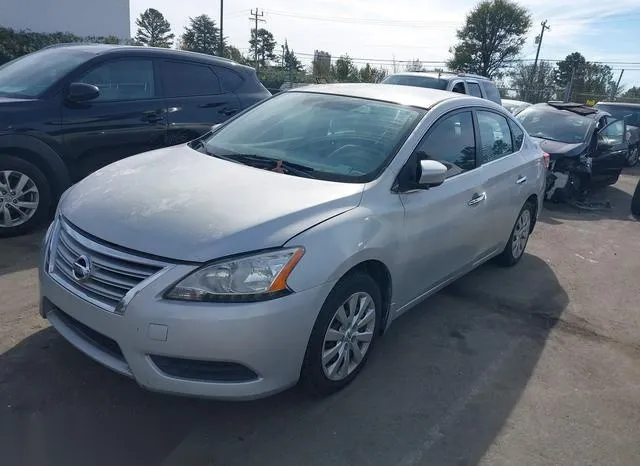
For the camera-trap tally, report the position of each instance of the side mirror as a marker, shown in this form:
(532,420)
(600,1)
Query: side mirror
(432,173)
(82,92)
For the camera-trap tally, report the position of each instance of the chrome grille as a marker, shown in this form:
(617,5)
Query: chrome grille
(111,272)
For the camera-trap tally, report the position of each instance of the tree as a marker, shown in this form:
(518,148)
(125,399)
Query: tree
(632,93)
(233,53)
(494,33)
(291,62)
(202,35)
(538,88)
(264,43)
(153,29)
(415,65)
(321,65)
(344,69)
(586,80)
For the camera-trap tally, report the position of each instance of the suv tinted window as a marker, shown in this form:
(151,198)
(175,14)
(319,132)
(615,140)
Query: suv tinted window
(229,79)
(492,92)
(182,79)
(619,112)
(417,81)
(451,141)
(123,80)
(495,136)
(474,89)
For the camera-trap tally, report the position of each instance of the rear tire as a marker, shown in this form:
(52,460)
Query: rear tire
(635,200)
(514,250)
(331,361)
(25,196)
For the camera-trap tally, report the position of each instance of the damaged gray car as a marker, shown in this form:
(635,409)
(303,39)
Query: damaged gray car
(586,147)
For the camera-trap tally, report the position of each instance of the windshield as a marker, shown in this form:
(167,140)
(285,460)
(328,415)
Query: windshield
(334,137)
(630,114)
(561,126)
(417,81)
(31,75)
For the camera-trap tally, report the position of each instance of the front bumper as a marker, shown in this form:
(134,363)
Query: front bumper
(268,338)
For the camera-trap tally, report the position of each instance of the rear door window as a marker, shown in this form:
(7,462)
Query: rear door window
(474,89)
(182,79)
(492,92)
(495,136)
(229,79)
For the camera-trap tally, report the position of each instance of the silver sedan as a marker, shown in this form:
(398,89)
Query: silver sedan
(281,245)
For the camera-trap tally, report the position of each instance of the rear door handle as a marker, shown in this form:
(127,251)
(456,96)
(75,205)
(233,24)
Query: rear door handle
(477,199)
(521,179)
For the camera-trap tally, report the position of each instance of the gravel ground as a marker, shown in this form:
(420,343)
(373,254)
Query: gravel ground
(534,365)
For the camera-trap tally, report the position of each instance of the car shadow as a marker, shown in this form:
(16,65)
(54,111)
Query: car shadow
(20,253)
(437,390)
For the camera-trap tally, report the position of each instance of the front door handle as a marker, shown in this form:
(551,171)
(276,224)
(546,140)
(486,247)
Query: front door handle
(477,199)
(521,179)
(228,111)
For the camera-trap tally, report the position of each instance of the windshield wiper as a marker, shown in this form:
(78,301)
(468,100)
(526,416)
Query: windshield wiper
(260,161)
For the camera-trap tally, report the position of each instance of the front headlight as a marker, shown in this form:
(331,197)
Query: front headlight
(243,279)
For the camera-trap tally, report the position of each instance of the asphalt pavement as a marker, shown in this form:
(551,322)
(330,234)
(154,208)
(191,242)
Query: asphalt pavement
(535,365)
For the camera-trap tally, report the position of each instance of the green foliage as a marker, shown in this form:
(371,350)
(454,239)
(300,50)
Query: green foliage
(368,74)
(415,65)
(321,65)
(233,53)
(632,94)
(494,32)
(344,70)
(153,29)
(291,62)
(14,44)
(591,81)
(530,88)
(202,35)
(264,43)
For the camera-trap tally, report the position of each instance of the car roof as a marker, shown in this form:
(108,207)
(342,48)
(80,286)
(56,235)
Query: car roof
(403,95)
(594,114)
(113,49)
(516,102)
(620,104)
(446,75)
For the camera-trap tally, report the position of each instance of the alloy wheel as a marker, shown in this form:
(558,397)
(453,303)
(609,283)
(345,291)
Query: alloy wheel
(521,233)
(19,198)
(349,336)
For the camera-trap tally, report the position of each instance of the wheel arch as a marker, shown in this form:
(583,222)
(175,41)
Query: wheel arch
(380,273)
(41,155)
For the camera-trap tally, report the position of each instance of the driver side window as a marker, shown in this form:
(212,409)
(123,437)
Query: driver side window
(612,134)
(452,142)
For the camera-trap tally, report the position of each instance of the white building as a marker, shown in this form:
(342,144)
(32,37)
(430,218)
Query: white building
(80,17)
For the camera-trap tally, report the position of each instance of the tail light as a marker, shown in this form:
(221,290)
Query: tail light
(546,159)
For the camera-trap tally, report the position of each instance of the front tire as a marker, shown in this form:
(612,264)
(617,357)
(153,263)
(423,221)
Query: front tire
(343,336)
(25,196)
(514,250)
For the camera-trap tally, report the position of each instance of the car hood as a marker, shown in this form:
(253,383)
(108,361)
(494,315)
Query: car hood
(180,204)
(560,149)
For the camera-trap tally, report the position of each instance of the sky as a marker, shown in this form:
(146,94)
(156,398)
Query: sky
(379,30)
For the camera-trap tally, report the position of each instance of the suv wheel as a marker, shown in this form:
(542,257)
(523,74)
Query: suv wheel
(25,196)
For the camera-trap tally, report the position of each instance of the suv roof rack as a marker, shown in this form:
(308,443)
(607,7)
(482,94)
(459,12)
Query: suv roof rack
(580,109)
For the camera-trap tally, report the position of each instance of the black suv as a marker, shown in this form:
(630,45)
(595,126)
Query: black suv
(463,83)
(67,110)
(631,114)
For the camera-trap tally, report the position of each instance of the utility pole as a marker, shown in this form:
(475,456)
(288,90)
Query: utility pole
(539,42)
(255,16)
(221,33)
(568,94)
(615,89)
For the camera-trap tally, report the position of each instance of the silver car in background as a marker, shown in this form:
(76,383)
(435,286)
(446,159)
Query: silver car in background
(281,245)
